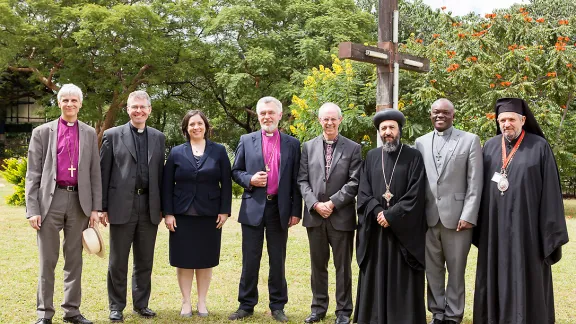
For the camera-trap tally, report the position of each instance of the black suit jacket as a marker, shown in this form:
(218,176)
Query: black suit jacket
(118,165)
(208,186)
(249,160)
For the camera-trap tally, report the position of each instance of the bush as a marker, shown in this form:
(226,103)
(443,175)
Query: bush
(14,171)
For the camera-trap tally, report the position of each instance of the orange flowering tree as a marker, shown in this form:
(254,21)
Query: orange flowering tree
(527,52)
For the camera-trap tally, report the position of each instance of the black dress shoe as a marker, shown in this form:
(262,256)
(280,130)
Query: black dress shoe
(116,316)
(239,314)
(78,319)
(449,322)
(44,321)
(279,316)
(315,317)
(145,312)
(342,319)
(437,321)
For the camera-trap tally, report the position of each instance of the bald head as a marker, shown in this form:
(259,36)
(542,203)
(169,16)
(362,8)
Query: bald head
(329,106)
(442,114)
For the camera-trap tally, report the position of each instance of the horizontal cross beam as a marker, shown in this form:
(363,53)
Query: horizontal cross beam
(362,53)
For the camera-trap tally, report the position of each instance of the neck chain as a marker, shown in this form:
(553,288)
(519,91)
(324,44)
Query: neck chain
(503,183)
(388,195)
(271,154)
(70,154)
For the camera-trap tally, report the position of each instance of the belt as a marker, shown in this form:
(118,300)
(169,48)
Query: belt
(67,188)
(271,197)
(141,191)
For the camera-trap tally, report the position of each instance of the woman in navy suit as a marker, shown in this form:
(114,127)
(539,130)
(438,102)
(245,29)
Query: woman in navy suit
(196,202)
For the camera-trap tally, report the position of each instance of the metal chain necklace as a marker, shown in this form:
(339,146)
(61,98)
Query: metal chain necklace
(71,168)
(388,195)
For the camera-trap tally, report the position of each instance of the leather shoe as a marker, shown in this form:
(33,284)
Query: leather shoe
(116,316)
(315,317)
(239,314)
(44,321)
(78,319)
(437,321)
(342,319)
(145,312)
(450,322)
(279,316)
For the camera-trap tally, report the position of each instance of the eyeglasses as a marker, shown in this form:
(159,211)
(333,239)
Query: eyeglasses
(326,120)
(139,107)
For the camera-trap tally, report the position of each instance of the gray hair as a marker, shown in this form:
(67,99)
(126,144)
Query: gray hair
(139,94)
(69,89)
(266,100)
(328,105)
(442,101)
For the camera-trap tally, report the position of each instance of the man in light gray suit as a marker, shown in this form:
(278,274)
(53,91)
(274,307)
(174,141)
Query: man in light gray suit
(453,161)
(328,180)
(132,160)
(63,192)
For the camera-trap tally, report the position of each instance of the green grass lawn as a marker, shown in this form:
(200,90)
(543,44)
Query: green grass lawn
(19,266)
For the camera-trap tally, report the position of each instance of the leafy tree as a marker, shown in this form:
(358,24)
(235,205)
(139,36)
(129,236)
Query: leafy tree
(14,172)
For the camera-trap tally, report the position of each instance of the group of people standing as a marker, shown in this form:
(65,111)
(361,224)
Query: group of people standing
(415,212)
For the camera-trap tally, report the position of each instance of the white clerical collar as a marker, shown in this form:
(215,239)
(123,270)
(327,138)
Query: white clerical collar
(446,132)
(330,142)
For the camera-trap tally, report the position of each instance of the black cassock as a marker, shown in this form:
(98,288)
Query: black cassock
(391,260)
(519,235)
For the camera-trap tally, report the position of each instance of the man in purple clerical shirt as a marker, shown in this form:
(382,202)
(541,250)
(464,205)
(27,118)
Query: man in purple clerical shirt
(63,192)
(264,159)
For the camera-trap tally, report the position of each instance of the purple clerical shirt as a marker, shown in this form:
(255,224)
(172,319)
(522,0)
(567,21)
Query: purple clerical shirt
(67,153)
(271,153)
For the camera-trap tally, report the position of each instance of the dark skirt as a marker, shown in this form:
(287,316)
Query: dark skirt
(196,242)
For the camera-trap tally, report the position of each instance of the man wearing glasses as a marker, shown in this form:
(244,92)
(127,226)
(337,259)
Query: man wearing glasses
(132,159)
(328,180)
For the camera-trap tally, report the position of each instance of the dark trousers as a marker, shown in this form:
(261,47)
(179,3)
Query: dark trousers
(321,238)
(140,234)
(252,244)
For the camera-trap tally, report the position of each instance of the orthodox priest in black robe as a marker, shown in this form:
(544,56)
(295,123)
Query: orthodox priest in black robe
(391,234)
(521,225)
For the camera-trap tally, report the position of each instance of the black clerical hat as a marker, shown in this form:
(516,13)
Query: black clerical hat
(519,106)
(389,114)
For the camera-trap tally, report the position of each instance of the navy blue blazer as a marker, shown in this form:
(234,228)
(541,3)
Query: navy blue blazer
(208,186)
(249,160)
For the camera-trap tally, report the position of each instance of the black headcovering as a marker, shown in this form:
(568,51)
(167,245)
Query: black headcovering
(389,114)
(519,106)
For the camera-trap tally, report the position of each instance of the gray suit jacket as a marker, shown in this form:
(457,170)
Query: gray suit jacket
(118,163)
(453,193)
(341,187)
(41,172)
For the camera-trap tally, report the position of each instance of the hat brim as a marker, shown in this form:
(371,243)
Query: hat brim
(102,251)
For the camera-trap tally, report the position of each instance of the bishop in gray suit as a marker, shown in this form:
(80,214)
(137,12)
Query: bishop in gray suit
(62,193)
(132,160)
(328,180)
(453,161)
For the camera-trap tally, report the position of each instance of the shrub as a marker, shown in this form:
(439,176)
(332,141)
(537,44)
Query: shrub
(14,171)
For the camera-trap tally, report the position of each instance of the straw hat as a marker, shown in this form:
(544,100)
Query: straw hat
(93,242)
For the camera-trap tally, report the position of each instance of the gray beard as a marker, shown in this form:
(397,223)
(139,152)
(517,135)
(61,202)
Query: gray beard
(514,136)
(390,147)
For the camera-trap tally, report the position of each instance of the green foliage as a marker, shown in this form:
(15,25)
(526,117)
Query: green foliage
(14,172)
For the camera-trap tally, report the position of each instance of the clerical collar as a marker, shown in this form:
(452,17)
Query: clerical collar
(137,130)
(446,132)
(67,123)
(264,133)
(512,142)
(330,142)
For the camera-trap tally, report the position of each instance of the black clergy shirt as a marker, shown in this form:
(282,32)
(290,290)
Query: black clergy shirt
(141,144)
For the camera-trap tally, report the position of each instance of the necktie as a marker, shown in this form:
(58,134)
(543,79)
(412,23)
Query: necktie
(328,158)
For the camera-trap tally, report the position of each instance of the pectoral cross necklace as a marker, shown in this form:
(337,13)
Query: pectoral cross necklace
(271,154)
(388,194)
(70,155)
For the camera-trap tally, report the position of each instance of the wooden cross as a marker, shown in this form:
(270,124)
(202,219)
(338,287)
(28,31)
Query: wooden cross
(385,56)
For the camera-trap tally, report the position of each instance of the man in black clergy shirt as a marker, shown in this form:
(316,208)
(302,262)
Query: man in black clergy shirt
(132,161)
(391,229)
(521,225)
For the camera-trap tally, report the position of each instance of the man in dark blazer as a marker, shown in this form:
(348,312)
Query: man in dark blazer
(132,160)
(264,160)
(328,180)
(454,169)
(59,197)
